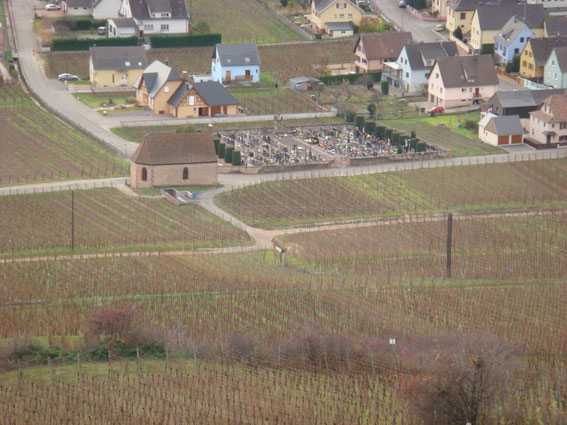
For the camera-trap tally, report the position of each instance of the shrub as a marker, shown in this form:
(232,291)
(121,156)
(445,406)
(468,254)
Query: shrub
(349,115)
(471,125)
(487,49)
(351,78)
(371,108)
(421,147)
(370,127)
(380,131)
(359,121)
(109,326)
(236,158)
(159,41)
(385,87)
(221,151)
(228,154)
(76,44)
(458,33)
(216,143)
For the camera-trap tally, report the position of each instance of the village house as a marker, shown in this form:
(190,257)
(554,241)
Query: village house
(534,57)
(460,14)
(488,21)
(204,99)
(116,66)
(157,16)
(235,63)
(330,12)
(99,9)
(77,7)
(122,27)
(555,26)
(555,69)
(497,131)
(410,71)
(174,160)
(511,39)
(548,124)
(439,7)
(156,85)
(373,49)
(519,102)
(462,81)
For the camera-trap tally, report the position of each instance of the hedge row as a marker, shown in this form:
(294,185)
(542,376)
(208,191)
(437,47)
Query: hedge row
(76,44)
(158,41)
(351,78)
(81,24)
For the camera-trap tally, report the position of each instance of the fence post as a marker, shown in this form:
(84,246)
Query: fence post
(449,242)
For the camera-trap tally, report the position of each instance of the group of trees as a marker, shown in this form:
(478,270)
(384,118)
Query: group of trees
(301,3)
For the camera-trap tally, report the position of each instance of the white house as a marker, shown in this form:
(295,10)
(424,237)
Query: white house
(411,69)
(157,16)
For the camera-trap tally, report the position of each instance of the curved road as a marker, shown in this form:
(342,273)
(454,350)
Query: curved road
(53,93)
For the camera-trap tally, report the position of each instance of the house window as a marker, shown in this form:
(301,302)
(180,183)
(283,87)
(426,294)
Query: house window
(350,15)
(463,15)
(521,39)
(144,174)
(186,173)
(463,90)
(149,26)
(516,51)
(407,74)
(341,5)
(563,125)
(164,27)
(436,75)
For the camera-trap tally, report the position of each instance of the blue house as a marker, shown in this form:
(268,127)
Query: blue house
(511,39)
(235,63)
(555,70)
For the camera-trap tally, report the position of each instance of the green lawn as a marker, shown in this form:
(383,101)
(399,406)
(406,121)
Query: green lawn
(96,100)
(460,141)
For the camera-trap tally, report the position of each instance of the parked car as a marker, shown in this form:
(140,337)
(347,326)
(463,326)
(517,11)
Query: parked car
(220,114)
(101,30)
(439,28)
(52,6)
(436,110)
(67,77)
(402,4)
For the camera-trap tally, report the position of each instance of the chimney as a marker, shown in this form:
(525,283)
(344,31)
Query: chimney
(185,75)
(167,62)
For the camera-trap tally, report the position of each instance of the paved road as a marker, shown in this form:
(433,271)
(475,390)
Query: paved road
(421,30)
(52,92)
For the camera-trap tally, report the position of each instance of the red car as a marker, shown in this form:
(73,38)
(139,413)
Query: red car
(436,110)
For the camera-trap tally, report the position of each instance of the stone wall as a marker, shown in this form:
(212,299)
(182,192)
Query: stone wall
(172,175)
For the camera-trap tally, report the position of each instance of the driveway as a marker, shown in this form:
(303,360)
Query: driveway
(421,30)
(52,92)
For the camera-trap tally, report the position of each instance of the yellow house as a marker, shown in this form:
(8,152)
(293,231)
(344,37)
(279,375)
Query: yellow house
(535,55)
(156,85)
(488,20)
(116,66)
(460,14)
(324,12)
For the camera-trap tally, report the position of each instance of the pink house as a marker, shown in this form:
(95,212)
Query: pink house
(373,49)
(462,80)
(548,123)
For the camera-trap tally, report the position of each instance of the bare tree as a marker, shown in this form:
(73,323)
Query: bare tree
(304,4)
(462,383)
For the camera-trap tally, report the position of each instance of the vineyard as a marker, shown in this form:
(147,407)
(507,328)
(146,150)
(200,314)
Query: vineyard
(105,219)
(274,101)
(282,61)
(459,144)
(35,146)
(469,188)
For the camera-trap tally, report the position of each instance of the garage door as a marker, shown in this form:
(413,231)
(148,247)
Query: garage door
(503,140)
(215,110)
(517,138)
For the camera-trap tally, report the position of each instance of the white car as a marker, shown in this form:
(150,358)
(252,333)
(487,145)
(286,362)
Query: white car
(67,77)
(52,6)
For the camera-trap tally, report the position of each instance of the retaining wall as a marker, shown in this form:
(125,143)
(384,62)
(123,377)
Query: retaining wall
(268,169)
(425,156)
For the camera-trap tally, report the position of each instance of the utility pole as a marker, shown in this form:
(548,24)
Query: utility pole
(449,242)
(72,220)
